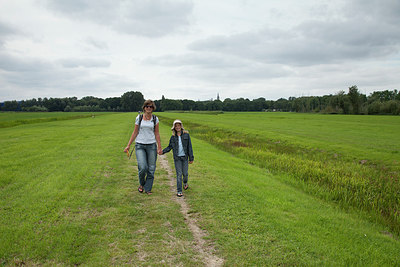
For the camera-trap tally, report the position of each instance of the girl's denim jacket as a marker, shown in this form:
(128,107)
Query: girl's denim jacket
(174,145)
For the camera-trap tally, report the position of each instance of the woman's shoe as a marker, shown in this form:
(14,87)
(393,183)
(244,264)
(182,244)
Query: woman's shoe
(140,189)
(179,194)
(185,186)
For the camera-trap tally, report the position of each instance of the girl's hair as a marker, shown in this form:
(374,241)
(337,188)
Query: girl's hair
(149,102)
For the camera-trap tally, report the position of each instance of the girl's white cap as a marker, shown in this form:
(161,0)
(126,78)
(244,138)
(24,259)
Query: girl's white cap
(176,121)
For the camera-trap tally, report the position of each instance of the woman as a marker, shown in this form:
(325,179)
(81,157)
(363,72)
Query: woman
(148,144)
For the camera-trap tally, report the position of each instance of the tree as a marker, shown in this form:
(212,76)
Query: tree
(172,104)
(259,104)
(54,104)
(188,104)
(90,101)
(11,106)
(354,96)
(375,107)
(282,104)
(113,103)
(29,103)
(391,107)
(132,101)
(228,104)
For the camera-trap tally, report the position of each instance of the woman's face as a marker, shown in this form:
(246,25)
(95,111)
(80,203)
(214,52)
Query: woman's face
(178,127)
(148,108)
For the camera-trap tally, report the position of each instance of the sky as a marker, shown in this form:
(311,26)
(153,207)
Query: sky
(197,49)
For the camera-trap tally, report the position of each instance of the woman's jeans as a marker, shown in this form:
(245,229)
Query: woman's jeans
(146,155)
(181,167)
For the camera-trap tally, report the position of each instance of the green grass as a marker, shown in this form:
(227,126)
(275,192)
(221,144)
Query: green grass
(11,119)
(352,160)
(256,219)
(68,196)
(346,134)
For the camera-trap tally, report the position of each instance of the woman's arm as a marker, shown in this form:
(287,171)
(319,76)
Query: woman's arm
(158,139)
(133,137)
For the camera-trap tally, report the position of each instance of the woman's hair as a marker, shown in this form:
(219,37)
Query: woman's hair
(149,102)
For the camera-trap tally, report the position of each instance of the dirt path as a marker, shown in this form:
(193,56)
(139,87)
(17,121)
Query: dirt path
(204,248)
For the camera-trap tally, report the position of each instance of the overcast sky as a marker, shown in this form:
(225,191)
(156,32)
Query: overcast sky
(196,49)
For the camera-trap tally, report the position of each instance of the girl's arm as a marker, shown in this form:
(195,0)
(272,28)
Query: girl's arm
(158,139)
(191,156)
(169,147)
(133,137)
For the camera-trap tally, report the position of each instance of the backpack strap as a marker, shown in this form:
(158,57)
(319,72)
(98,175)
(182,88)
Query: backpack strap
(140,119)
(154,121)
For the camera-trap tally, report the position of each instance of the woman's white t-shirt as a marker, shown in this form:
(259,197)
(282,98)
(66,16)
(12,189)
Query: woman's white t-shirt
(146,131)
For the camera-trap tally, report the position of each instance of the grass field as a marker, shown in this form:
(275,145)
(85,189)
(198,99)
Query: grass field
(257,219)
(11,119)
(353,160)
(68,197)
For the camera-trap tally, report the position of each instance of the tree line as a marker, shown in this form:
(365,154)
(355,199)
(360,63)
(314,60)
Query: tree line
(352,102)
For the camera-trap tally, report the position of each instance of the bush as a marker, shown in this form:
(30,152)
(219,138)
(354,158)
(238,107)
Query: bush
(35,109)
(391,107)
(374,108)
(86,108)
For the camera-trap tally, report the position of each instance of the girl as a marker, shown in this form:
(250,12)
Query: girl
(183,154)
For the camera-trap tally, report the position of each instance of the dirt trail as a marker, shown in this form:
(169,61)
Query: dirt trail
(204,248)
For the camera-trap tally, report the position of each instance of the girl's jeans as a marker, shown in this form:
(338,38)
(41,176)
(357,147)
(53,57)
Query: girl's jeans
(181,167)
(146,155)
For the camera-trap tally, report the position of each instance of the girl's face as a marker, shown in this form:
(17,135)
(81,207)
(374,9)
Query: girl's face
(178,127)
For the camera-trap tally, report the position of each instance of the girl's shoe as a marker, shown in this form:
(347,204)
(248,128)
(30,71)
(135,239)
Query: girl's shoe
(149,193)
(140,189)
(185,186)
(179,194)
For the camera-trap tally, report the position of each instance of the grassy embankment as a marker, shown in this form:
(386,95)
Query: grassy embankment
(257,218)
(353,160)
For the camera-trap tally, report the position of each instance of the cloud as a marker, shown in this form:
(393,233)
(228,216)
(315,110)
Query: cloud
(311,43)
(84,62)
(6,31)
(237,48)
(92,42)
(24,78)
(328,53)
(217,68)
(152,18)
(14,64)
(386,11)
(205,60)
(352,32)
